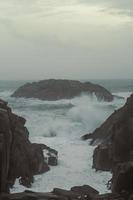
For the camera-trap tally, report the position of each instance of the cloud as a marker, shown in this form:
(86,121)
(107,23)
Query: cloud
(71,37)
(67,22)
(113,6)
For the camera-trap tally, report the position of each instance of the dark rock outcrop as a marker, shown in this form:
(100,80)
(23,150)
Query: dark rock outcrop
(19,158)
(5,145)
(81,192)
(114,138)
(122,179)
(51,155)
(115,149)
(87,191)
(86,136)
(102,160)
(53,89)
(117,124)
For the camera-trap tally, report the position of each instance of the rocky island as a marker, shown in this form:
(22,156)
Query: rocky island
(53,89)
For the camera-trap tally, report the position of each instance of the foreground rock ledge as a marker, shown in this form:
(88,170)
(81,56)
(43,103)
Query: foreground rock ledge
(19,158)
(53,89)
(76,193)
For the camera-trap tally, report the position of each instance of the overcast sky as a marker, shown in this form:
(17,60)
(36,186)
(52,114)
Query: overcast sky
(76,39)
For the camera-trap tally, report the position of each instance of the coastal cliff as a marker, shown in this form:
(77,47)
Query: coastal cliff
(19,158)
(115,137)
(115,147)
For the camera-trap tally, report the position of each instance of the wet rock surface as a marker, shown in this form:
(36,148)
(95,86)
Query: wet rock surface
(51,155)
(115,149)
(19,158)
(84,192)
(53,89)
(122,179)
(114,138)
(102,159)
(80,192)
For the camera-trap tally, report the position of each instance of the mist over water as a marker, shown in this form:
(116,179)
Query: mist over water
(60,124)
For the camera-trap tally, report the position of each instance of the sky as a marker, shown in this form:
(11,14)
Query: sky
(74,39)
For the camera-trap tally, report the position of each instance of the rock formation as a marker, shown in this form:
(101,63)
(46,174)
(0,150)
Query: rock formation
(115,137)
(121,119)
(53,89)
(115,147)
(19,158)
(84,192)
(81,192)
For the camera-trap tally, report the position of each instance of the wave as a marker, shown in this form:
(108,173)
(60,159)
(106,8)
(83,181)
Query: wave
(125,95)
(5,94)
(65,118)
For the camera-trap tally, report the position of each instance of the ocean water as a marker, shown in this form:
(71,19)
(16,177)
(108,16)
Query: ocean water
(60,124)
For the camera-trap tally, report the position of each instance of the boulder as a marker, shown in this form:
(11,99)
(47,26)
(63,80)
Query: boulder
(50,155)
(67,193)
(53,89)
(87,191)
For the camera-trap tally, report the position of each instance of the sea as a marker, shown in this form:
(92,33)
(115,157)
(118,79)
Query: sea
(60,125)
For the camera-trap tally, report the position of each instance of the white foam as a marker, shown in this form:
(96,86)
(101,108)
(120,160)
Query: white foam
(74,168)
(5,94)
(125,95)
(84,116)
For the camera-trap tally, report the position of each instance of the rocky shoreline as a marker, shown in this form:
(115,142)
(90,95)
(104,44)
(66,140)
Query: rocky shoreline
(115,148)
(84,192)
(21,159)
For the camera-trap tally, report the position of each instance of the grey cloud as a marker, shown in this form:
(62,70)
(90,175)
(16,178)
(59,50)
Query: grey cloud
(122,6)
(125,4)
(128,4)
(10,28)
(48,50)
